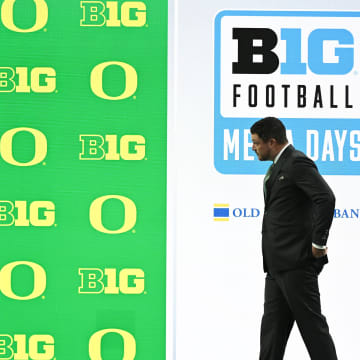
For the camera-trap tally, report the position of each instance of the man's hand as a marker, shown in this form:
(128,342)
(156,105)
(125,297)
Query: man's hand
(317,253)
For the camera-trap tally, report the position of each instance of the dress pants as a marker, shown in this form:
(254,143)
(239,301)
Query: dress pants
(294,296)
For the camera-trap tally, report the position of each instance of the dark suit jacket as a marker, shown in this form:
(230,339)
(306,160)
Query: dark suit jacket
(299,209)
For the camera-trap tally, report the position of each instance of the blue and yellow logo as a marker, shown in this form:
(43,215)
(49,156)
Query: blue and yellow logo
(221,212)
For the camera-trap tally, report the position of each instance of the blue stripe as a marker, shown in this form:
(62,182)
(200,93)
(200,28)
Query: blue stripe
(221,212)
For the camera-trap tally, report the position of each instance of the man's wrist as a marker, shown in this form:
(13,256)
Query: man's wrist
(319,247)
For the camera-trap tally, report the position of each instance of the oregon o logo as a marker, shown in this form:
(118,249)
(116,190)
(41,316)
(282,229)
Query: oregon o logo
(128,339)
(39,280)
(96,80)
(129,214)
(7,16)
(6,146)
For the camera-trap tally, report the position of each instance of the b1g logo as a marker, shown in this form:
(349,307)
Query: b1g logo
(98,147)
(111,281)
(20,213)
(257,54)
(7,16)
(130,82)
(112,14)
(41,80)
(6,280)
(129,214)
(127,341)
(7,145)
(21,347)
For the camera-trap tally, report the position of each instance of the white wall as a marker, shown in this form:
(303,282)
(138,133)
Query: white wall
(215,277)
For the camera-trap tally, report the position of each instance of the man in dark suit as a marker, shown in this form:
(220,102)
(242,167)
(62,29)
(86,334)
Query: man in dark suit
(299,208)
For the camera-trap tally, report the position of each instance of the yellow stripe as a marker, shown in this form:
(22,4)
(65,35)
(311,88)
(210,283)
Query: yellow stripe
(221,205)
(221,219)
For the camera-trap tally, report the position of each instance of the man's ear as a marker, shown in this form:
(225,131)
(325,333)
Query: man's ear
(272,142)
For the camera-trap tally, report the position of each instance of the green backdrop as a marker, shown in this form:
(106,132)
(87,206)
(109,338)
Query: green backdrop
(72,184)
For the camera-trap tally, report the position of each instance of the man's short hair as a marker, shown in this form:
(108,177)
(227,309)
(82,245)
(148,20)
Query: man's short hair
(268,128)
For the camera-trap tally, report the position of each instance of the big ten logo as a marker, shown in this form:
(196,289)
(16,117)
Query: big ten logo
(18,275)
(120,77)
(111,281)
(109,13)
(19,347)
(41,80)
(126,342)
(97,147)
(119,209)
(257,52)
(20,213)
(27,138)
(8,14)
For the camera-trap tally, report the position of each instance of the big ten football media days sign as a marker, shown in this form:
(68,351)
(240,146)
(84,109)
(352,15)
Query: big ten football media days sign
(301,66)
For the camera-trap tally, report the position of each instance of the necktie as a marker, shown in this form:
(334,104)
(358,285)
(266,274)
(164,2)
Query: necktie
(267,177)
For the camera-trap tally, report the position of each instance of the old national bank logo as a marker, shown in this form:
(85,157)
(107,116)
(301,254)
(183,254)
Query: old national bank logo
(300,66)
(223,212)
